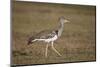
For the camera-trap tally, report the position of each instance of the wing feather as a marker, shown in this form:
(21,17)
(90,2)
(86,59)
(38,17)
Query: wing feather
(45,34)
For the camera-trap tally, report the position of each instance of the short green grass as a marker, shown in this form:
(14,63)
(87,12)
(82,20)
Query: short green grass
(77,42)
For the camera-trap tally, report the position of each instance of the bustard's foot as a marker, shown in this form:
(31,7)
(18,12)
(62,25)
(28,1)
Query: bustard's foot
(56,51)
(59,54)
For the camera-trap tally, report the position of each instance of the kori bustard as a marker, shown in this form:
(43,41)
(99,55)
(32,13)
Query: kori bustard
(49,37)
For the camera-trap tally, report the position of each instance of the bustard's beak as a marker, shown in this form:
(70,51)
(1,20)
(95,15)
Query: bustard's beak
(66,21)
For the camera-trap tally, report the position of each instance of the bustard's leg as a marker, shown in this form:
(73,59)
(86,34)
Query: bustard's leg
(55,49)
(46,51)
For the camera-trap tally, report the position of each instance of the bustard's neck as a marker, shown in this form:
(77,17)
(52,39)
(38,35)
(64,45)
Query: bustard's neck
(60,29)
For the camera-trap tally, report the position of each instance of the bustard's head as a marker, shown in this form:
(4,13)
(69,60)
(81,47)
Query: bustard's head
(63,20)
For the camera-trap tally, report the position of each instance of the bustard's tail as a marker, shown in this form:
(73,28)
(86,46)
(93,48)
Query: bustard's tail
(30,40)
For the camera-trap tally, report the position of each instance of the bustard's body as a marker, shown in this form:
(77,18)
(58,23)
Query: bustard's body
(49,36)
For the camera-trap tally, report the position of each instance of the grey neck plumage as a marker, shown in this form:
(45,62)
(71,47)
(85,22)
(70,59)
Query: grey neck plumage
(60,29)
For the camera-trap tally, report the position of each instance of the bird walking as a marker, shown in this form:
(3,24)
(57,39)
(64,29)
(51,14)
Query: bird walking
(49,36)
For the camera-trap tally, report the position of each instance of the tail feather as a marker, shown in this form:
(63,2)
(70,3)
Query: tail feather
(30,40)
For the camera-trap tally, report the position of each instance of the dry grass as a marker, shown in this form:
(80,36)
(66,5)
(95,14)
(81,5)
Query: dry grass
(76,44)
